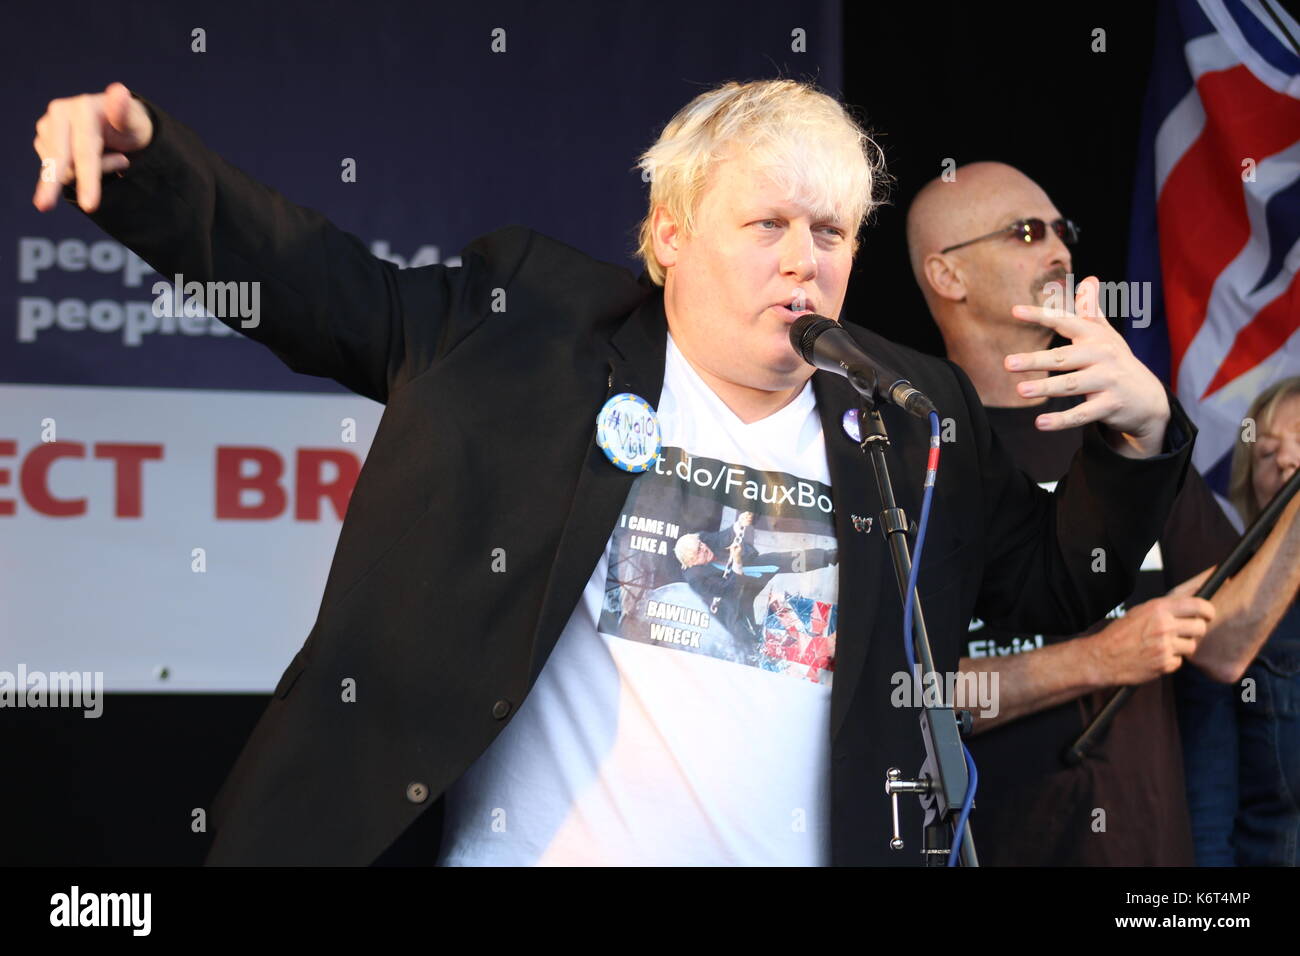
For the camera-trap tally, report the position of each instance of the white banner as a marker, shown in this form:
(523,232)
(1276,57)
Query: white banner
(174,539)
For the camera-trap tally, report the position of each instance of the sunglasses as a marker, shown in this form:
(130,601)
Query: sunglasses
(1028,230)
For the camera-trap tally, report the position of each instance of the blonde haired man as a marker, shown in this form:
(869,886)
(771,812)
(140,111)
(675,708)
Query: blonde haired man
(579,707)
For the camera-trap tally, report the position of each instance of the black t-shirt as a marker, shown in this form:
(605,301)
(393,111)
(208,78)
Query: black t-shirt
(1033,810)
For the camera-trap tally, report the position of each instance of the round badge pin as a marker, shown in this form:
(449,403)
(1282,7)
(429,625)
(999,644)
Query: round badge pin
(851,428)
(627,431)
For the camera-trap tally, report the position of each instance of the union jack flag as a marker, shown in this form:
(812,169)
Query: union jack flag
(801,631)
(1216,217)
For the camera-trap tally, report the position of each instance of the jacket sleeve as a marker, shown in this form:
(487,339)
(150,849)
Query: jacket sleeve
(1056,562)
(1198,534)
(326,305)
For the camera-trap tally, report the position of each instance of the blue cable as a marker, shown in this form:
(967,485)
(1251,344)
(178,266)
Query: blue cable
(965,806)
(909,646)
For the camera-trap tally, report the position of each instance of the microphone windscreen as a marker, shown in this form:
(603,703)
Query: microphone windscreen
(804,332)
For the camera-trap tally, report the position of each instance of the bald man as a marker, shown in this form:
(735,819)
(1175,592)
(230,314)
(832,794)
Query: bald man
(989,249)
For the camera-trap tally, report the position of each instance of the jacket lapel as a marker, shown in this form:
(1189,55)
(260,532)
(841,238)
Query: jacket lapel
(635,363)
(863,557)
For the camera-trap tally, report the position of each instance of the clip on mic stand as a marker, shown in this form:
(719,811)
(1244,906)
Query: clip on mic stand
(1250,541)
(943,779)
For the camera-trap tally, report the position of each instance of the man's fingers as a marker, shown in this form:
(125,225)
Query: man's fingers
(72,140)
(56,172)
(1192,607)
(1094,409)
(117,102)
(87,147)
(1086,381)
(56,160)
(1068,325)
(1190,628)
(1087,299)
(1065,358)
(48,183)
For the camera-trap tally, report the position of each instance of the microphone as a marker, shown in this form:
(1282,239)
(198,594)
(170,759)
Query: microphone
(825,344)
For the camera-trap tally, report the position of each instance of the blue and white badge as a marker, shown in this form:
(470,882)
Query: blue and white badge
(627,431)
(851,426)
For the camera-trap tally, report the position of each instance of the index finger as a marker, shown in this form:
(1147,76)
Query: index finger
(87,147)
(1067,324)
(60,157)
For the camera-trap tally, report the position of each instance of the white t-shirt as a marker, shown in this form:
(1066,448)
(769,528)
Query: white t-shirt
(683,717)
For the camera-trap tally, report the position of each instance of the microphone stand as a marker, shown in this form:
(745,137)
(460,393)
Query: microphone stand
(1250,542)
(943,779)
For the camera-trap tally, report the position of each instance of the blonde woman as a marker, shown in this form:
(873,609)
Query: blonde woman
(1241,742)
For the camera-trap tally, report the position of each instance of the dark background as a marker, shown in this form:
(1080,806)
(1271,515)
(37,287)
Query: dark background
(971,81)
(1016,83)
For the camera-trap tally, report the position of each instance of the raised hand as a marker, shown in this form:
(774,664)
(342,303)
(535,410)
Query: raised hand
(1121,392)
(83,138)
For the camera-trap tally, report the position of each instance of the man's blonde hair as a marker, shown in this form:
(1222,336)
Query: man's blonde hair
(807,142)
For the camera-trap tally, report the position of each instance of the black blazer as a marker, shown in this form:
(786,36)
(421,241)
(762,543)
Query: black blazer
(492,373)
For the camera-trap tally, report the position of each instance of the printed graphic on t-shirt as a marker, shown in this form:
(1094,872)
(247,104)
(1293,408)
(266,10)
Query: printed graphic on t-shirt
(728,561)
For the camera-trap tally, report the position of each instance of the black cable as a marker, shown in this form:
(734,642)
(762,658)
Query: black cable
(1250,542)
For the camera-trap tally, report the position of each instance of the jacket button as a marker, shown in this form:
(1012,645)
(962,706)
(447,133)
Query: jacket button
(500,709)
(417,792)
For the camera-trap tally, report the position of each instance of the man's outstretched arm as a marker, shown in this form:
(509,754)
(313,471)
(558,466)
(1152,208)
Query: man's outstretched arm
(326,306)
